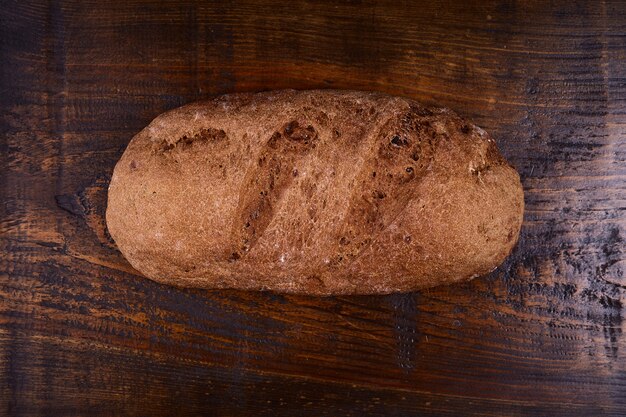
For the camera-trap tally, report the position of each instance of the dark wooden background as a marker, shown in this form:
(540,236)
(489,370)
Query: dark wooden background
(82,334)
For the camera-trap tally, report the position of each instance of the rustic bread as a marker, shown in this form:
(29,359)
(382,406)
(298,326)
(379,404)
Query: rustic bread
(316,192)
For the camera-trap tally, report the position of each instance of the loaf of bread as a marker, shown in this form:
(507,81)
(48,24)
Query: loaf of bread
(316,192)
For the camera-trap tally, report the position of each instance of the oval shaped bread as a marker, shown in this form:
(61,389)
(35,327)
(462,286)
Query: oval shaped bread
(316,192)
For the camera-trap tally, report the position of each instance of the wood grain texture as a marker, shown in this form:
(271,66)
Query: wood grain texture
(82,334)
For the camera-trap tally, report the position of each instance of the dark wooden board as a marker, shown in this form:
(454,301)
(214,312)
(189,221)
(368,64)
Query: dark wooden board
(82,334)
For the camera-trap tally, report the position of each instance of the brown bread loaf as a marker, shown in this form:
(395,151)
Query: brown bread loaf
(315,192)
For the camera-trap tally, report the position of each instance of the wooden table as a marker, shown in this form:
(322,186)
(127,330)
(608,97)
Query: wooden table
(82,334)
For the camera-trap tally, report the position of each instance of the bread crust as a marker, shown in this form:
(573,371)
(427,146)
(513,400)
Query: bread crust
(317,192)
